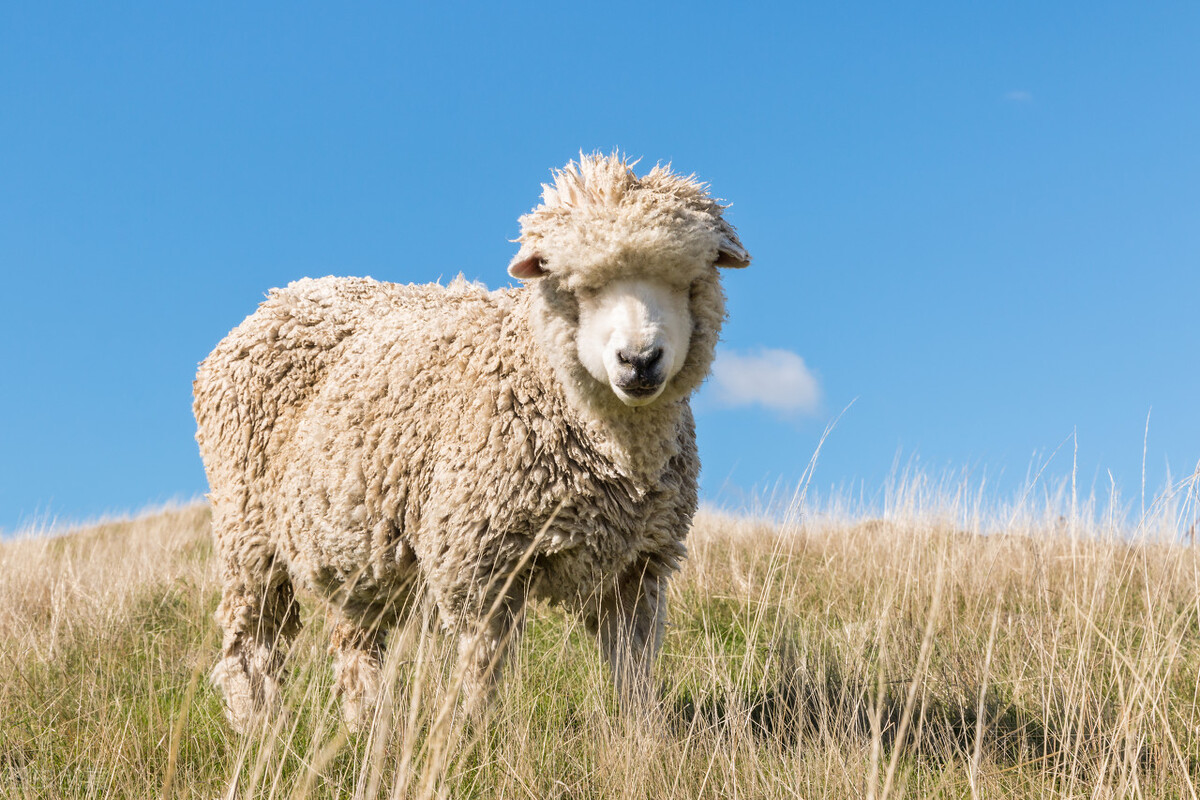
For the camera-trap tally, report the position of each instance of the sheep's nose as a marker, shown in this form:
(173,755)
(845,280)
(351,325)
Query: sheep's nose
(642,362)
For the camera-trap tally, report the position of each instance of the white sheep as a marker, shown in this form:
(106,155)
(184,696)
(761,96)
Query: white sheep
(371,442)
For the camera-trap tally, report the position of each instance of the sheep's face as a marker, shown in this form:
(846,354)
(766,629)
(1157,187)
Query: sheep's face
(633,335)
(627,299)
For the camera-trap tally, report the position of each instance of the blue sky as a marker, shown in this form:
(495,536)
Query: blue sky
(980,223)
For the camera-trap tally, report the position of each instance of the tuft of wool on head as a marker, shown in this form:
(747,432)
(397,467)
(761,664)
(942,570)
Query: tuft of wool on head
(597,208)
(600,180)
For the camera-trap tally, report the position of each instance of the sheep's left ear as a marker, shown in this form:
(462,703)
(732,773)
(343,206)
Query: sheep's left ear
(730,252)
(527,266)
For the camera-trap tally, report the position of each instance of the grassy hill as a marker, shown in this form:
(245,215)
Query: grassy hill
(933,653)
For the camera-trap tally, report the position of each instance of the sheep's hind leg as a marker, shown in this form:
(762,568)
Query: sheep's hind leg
(357,647)
(259,624)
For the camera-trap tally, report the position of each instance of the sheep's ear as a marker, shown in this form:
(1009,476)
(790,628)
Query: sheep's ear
(527,267)
(730,253)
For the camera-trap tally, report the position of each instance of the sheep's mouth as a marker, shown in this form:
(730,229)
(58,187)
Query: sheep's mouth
(637,392)
(639,389)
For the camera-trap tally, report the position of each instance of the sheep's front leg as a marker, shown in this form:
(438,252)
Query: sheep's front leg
(629,625)
(483,648)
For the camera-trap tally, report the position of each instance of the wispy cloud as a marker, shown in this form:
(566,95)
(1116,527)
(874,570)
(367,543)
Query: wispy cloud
(776,379)
(1019,96)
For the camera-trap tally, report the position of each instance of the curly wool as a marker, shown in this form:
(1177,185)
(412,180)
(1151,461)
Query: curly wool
(368,441)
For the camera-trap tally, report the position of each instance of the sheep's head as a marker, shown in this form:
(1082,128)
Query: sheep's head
(625,269)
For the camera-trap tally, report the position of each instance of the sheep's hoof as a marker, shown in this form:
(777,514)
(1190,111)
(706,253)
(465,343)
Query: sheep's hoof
(358,679)
(249,697)
(357,715)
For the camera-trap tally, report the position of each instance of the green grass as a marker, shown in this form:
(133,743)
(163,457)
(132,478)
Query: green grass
(929,654)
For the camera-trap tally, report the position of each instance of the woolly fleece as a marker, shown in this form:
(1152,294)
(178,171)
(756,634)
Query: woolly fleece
(372,442)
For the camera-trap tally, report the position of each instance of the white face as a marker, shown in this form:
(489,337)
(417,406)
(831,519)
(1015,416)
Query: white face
(634,336)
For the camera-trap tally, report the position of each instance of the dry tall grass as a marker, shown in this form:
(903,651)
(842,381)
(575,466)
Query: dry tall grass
(936,651)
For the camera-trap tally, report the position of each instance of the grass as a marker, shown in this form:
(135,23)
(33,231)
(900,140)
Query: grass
(935,651)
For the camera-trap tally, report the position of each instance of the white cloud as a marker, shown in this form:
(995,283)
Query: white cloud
(1019,96)
(777,379)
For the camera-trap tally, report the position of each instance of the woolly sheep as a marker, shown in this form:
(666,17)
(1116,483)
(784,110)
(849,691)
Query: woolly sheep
(372,442)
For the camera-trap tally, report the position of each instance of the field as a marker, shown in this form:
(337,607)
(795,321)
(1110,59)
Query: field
(936,649)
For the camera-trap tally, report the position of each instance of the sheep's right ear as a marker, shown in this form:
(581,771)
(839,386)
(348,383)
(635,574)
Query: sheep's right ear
(527,267)
(730,252)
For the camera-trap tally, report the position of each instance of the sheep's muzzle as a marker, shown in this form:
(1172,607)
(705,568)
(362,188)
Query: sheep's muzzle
(641,373)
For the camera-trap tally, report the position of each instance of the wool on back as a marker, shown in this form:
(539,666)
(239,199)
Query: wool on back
(366,425)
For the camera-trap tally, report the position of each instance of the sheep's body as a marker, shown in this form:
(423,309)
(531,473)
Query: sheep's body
(370,442)
(386,416)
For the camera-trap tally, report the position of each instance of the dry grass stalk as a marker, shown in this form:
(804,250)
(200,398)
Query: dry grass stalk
(936,650)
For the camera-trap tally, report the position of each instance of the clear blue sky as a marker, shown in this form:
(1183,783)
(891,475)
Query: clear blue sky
(980,220)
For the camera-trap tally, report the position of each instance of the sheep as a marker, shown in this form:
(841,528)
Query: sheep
(373,443)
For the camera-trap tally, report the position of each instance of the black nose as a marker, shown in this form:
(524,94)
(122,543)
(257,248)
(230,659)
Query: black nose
(643,362)
(639,371)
